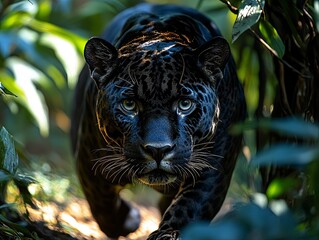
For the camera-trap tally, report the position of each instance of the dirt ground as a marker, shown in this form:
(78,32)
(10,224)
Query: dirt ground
(75,221)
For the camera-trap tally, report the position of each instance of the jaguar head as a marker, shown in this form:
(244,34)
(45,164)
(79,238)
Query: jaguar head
(157,107)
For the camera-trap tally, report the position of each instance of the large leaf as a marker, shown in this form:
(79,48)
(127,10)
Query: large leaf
(41,56)
(294,127)
(21,19)
(45,59)
(246,221)
(249,14)
(45,27)
(287,154)
(8,157)
(271,36)
(32,98)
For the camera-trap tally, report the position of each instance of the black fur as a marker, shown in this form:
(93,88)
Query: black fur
(163,96)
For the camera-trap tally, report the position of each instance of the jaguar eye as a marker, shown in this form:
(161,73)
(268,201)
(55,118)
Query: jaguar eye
(184,105)
(129,105)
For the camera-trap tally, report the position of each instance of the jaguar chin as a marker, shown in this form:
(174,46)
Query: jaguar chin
(157,178)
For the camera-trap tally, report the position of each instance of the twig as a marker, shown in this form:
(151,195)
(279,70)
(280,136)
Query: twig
(232,8)
(283,89)
(273,52)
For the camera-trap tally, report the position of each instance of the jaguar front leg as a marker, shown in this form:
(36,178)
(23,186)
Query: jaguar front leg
(115,216)
(194,202)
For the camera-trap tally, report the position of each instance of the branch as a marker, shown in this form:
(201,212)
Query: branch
(273,52)
(232,8)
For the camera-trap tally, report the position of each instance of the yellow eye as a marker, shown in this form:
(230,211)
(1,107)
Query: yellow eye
(185,104)
(129,105)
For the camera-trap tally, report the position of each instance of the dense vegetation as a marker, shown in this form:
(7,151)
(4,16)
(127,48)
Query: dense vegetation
(276,48)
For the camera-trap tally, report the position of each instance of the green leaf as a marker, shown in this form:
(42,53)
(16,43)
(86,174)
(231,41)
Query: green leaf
(45,27)
(280,186)
(23,179)
(243,222)
(33,98)
(118,6)
(5,176)
(249,14)
(4,90)
(8,157)
(224,229)
(287,154)
(45,59)
(40,56)
(294,127)
(22,19)
(7,205)
(271,36)
(22,182)
(10,232)
(15,226)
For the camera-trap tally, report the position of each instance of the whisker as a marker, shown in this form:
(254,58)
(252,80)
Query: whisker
(204,154)
(203,143)
(124,170)
(109,148)
(192,175)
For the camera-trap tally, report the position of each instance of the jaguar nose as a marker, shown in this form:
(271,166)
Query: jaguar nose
(157,152)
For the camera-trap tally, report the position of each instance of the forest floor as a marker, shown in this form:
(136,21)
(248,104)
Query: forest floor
(73,221)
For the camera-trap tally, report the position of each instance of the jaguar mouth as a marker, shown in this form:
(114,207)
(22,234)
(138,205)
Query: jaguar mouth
(157,177)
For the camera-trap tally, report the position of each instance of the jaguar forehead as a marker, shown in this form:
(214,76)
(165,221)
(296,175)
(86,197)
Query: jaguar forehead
(156,71)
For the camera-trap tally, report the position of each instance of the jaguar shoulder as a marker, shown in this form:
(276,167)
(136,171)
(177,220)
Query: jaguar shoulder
(154,106)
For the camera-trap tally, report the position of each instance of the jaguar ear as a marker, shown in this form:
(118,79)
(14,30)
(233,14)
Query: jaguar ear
(213,56)
(101,57)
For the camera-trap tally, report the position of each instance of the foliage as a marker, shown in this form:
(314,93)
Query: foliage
(275,45)
(289,159)
(247,222)
(248,14)
(40,57)
(25,46)
(270,217)
(8,172)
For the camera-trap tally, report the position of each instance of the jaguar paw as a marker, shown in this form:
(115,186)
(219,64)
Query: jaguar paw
(132,221)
